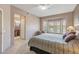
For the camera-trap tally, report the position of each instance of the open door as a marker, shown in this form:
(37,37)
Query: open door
(0,31)
(19,26)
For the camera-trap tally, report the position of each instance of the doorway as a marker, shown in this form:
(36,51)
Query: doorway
(19,27)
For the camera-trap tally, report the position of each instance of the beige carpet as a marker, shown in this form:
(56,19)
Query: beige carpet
(19,47)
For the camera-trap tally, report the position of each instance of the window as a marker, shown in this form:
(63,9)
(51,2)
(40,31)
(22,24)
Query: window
(45,26)
(55,26)
(51,27)
(63,22)
(58,26)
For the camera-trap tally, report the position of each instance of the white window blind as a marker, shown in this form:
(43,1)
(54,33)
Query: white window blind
(55,26)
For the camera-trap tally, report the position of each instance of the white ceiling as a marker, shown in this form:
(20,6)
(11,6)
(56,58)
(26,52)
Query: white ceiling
(54,9)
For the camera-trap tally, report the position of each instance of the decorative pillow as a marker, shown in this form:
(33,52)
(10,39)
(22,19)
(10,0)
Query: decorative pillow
(68,34)
(72,33)
(69,37)
(64,35)
(43,31)
(37,33)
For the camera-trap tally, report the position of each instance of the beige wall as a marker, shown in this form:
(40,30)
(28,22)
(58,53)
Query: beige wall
(68,16)
(5,26)
(76,18)
(0,31)
(76,13)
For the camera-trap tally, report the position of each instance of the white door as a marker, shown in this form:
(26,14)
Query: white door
(0,31)
(22,27)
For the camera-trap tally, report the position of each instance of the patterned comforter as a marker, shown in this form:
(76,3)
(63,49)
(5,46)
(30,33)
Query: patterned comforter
(54,43)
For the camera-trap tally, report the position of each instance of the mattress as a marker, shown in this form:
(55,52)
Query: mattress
(54,43)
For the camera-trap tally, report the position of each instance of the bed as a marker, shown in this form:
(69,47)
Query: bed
(54,44)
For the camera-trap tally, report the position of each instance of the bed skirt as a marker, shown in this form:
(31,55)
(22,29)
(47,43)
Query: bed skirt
(38,51)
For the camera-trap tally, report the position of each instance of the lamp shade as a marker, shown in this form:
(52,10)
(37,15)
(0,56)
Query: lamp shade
(71,29)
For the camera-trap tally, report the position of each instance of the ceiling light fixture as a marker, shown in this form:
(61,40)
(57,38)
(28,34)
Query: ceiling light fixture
(44,6)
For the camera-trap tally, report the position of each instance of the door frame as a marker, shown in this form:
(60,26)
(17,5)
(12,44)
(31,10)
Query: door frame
(20,24)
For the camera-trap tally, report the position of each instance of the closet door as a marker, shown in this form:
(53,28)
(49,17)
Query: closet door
(23,27)
(0,31)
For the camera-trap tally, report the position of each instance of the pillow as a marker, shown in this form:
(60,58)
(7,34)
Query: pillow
(37,33)
(43,31)
(65,35)
(69,37)
(72,33)
(68,34)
